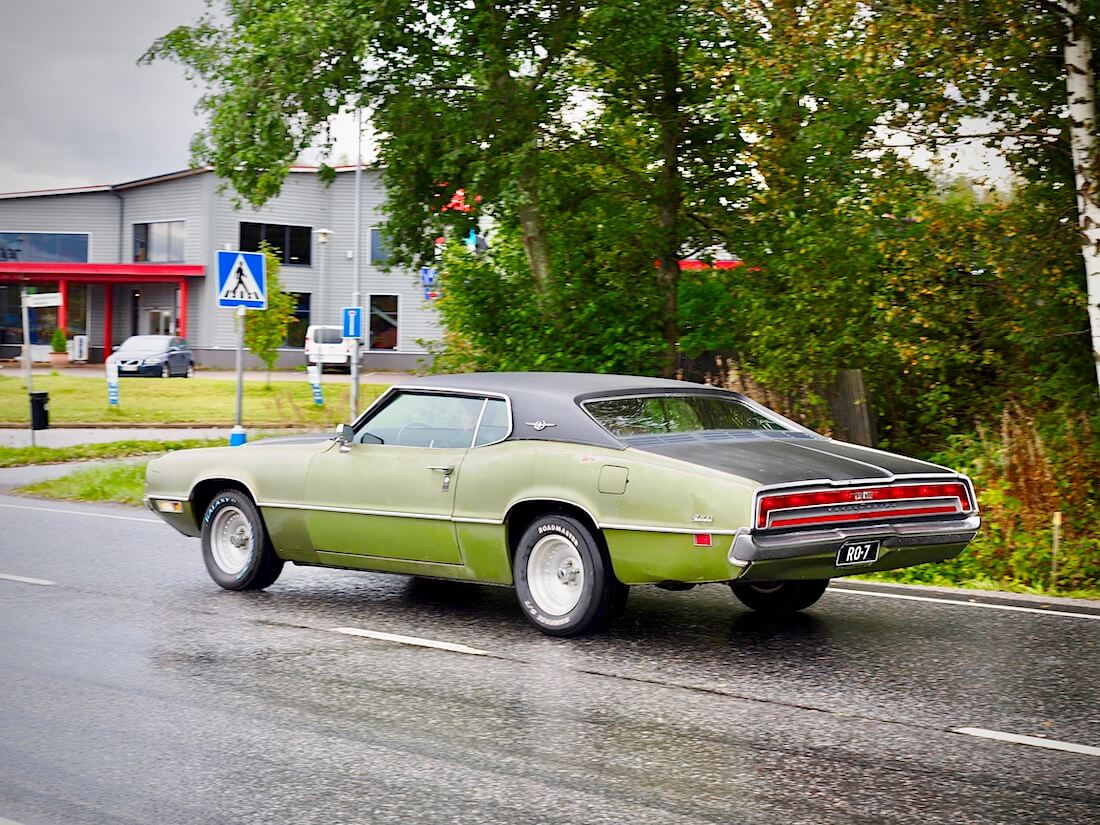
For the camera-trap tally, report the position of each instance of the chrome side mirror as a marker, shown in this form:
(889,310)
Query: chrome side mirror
(345,435)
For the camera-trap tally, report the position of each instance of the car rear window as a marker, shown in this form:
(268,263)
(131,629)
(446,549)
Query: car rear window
(328,335)
(663,414)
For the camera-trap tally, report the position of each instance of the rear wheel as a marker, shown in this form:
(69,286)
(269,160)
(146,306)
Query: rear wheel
(190,370)
(779,597)
(235,546)
(563,579)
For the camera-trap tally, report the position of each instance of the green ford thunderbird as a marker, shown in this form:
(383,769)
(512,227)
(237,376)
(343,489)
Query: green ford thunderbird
(570,487)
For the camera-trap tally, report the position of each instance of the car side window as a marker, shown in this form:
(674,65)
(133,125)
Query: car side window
(424,420)
(494,423)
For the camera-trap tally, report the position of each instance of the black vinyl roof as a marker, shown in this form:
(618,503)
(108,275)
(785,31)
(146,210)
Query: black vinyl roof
(553,398)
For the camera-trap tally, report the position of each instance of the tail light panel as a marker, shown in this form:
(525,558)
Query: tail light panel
(787,508)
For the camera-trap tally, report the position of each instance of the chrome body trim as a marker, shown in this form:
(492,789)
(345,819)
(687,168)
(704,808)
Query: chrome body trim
(355,511)
(649,528)
(420,389)
(855,507)
(830,484)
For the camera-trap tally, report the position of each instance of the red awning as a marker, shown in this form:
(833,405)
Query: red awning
(99,273)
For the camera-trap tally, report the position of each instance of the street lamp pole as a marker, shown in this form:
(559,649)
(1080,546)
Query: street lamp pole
(322,239)
(356,297)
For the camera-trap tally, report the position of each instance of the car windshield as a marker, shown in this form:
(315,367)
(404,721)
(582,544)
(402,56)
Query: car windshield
(144,344)
(662,414)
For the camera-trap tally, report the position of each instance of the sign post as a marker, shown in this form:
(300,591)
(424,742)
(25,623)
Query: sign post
(242,283)
(28,302)
(27,365)
(353,332)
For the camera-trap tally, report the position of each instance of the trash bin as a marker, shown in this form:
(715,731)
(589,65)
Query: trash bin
(40,410)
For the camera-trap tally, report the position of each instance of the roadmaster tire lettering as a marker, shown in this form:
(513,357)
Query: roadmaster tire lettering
(602,596)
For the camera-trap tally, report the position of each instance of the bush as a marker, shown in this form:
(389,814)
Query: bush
(1029,469)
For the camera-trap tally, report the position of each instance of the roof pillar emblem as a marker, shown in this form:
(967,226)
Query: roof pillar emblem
(540,425)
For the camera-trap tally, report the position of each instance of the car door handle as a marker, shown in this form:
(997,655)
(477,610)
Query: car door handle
(445,469)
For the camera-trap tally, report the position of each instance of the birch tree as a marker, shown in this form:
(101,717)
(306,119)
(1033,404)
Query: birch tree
(1081,106)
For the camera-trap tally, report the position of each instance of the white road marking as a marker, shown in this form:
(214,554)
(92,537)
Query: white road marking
(25,580)
(79,513)
(986,605)
(1036,741)
(409,640)
(7,821)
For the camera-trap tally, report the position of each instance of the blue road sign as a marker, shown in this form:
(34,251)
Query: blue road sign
(429,276)
(242,281)
(353,322)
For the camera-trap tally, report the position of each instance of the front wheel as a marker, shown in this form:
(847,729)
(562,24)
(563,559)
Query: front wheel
(563,579)
(235,546)
(779,598)
(165,370)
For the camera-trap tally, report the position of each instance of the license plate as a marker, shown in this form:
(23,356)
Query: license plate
(857,552)
(128,368)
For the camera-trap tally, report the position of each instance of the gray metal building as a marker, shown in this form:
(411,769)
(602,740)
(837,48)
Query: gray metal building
(139,257)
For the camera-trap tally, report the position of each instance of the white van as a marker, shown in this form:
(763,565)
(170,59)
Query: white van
(326,346)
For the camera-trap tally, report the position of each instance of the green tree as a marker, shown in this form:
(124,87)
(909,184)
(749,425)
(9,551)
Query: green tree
(265,329)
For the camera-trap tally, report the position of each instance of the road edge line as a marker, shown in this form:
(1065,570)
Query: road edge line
(1034,741)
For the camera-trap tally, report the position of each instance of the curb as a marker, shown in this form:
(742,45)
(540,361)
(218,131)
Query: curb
(990,596)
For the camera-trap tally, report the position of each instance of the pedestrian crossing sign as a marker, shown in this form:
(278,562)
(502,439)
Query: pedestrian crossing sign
(241,279)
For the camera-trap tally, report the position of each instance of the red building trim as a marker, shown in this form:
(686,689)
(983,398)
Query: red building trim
(108,318)
(107,275)
(133,272)
(62,311)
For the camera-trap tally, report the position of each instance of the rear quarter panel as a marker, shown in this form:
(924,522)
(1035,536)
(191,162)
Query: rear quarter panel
(647,521)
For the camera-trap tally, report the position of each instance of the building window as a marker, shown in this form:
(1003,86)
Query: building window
(44,247)
(160,242)
(383,321)
(292,244)
(42,320)
(296,332)
(379,248)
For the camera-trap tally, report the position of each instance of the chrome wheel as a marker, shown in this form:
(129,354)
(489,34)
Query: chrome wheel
(555,575)
(231,540)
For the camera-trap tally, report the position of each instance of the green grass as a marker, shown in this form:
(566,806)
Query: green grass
(24,456)
(207,401)
(123,483)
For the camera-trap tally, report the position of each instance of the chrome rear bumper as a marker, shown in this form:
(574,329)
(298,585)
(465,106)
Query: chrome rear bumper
(812,554)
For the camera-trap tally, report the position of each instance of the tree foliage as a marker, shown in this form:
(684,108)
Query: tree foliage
(265,329)
(605,141)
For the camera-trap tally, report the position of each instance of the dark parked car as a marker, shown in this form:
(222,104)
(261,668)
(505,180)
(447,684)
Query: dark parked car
(154,355)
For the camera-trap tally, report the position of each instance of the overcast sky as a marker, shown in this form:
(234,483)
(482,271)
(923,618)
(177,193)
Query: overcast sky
(78,110)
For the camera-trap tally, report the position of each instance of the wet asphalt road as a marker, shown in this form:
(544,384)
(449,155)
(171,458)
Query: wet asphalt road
(133,690)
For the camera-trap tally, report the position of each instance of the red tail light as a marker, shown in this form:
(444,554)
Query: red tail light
(859,504)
